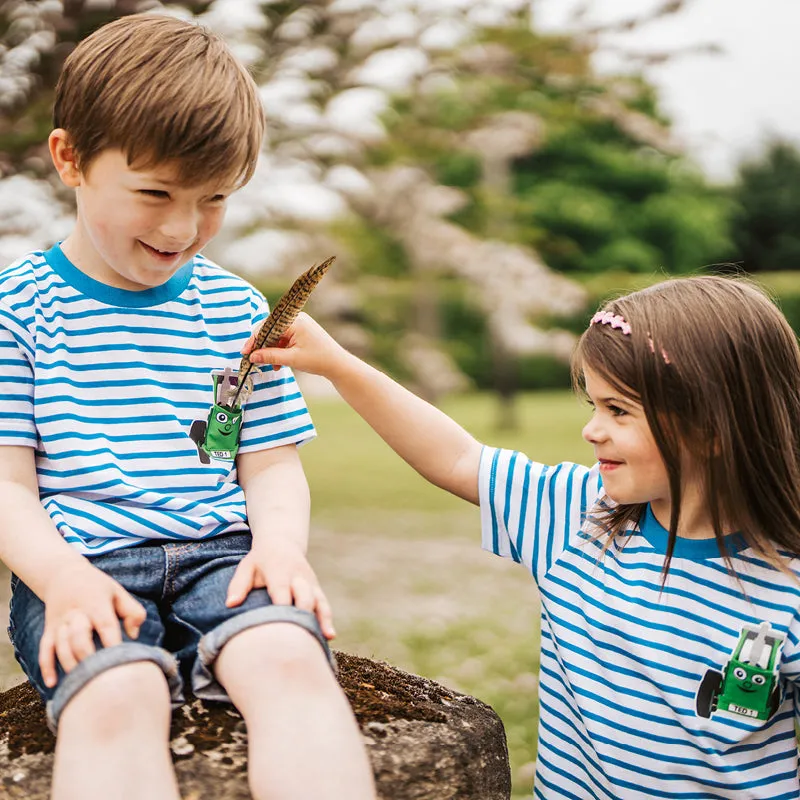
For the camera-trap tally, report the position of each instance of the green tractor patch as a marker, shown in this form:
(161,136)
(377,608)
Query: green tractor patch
(217,436)
(748,684)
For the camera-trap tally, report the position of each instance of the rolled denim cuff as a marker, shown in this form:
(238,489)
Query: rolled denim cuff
(105,659)
(205,684)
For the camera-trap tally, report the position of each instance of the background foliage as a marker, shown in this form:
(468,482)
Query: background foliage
(496,193)
(511,137)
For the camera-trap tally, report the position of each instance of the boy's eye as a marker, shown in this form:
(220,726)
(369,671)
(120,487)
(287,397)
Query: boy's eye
(218,198)
(159,193)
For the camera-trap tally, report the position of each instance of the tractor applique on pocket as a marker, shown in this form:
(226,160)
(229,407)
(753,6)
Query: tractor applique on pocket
(748,685)
(217,436)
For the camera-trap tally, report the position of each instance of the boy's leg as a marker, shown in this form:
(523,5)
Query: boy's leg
(112,710)
(113,738)
(303,739)
(272,662)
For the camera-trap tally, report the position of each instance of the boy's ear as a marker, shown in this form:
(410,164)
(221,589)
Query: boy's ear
(64,160)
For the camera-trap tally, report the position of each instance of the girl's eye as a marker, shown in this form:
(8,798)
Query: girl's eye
(617,411)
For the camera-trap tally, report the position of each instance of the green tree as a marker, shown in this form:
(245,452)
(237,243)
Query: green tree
(766,223)
(603,188)
(504,167)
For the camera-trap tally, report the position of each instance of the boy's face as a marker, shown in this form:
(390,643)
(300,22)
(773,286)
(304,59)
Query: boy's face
(137,227)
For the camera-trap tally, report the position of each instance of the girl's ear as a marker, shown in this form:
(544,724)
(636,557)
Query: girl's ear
(64,159)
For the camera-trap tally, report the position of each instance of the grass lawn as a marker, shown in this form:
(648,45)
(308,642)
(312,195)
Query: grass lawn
(353,473)
(402,564)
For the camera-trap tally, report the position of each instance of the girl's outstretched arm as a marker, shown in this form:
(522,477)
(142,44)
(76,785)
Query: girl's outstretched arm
(433,444)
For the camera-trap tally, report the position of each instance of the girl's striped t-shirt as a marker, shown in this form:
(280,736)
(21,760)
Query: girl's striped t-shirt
(686,690)
(114,389)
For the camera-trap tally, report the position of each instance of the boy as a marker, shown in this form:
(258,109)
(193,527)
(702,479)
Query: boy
(142,553)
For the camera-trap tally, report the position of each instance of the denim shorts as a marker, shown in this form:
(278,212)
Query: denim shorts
(182,586)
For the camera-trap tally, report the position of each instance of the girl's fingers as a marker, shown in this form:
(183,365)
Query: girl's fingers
(248,345)
(277,356)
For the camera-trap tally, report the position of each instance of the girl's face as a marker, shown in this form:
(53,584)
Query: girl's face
(630,462)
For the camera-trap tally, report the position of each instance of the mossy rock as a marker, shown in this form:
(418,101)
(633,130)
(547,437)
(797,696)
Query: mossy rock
(425,741)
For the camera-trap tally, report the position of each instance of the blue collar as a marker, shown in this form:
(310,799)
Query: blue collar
(691,549)
(113,296)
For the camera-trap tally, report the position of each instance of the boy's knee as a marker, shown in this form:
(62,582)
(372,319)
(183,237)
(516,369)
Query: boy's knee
(283,651)
(118,700)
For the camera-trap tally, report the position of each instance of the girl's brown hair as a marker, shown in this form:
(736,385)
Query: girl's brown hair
(161,90)
(716,368)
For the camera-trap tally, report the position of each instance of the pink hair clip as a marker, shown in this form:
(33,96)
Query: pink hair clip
(614,320)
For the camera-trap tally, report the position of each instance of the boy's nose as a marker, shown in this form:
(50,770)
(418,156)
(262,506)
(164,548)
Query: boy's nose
(179,228)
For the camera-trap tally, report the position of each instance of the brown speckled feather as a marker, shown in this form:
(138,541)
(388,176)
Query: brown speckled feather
(283,315)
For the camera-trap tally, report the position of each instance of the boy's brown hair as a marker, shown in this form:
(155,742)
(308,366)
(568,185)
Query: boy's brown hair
(161,90)
(716,367)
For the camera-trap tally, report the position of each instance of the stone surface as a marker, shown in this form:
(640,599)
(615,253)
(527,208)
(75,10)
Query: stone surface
(425,742)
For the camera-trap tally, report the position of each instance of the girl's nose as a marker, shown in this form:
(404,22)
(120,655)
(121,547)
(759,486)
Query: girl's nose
(593,432)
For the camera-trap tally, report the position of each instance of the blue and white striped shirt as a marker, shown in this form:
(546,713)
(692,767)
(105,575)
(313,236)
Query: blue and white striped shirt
(622,661)
(105,383)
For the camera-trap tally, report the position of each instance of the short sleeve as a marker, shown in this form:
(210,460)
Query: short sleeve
(530,510)
(275,414)
(17,425)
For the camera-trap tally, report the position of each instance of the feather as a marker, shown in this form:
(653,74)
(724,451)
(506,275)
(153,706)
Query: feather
(280,319)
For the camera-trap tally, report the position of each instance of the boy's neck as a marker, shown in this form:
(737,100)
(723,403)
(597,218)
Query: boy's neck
(85,258)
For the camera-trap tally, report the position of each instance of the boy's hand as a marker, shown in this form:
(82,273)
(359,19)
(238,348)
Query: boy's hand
(77,602)
(305,346)
(281,567)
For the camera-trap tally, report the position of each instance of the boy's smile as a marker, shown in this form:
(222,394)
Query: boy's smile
(135,227)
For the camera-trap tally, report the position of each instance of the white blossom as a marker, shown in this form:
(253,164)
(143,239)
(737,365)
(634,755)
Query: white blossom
(31,217)
(393,69)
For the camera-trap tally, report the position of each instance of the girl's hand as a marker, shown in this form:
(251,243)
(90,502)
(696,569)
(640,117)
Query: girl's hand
(280,566)
(79,601)
(305,346)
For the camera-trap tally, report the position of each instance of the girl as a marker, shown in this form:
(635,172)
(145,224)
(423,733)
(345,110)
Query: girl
(668,571)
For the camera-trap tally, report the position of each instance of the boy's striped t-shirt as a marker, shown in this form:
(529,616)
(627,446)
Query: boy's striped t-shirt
(106,384)
(683,691)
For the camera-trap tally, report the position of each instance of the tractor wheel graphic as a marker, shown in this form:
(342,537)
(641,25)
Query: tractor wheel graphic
(197,433)
(706,701)
(774,700)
